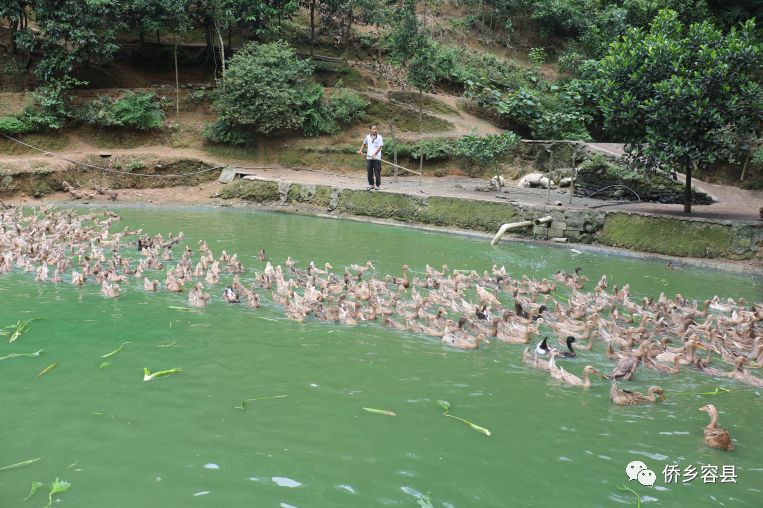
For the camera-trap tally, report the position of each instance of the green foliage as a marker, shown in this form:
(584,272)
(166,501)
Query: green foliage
(433,149)
(12,125)
(485,149)
(49,110)
(405,39)
(681,90)
(282,93)
(140,111)
(328,116)
(757,157)
(224,133)
(537,56)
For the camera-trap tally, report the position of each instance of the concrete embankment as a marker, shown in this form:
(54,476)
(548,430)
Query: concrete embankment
(637,231)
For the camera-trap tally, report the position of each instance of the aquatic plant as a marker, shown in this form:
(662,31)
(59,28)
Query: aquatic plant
(16,355)
(148,376)
(379,411)
(20,464)
(17,330)
(245,402)
(117,350)
(627,489)
(445,405)
(47,369)
(35,487)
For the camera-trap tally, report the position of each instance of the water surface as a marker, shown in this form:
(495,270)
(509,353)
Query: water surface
(180,441)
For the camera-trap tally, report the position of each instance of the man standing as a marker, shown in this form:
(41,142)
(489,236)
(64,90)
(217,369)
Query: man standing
(374,144)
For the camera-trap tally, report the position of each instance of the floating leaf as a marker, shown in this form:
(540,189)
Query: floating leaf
(18,329)
(244,403)
(425,501)
(57,487)
(148,376)
(379,411)
(20,464)
(16,355)
(168,345)
(35,487)
(444,404)
(623,487)
(718,390)
(117,350)
(103,365)
(47,369)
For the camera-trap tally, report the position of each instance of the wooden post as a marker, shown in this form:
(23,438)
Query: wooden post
(394,147)
(421,156)
(574,175)
(177,83)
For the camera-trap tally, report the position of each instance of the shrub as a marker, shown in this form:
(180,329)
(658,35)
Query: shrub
(225,133)
(141,111)
(13,125)
(328,116)
(282,94)
(537,56)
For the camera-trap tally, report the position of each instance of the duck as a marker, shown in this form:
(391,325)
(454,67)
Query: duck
(715,436)
(628,398)
(627,365)
(534,360)
(150,285)
(566,377)
(110,290)
(230,296)
(542,349)
(571,353)
(261,255)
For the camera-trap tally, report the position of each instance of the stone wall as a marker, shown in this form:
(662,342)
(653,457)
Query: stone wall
(608,181)
(641,232)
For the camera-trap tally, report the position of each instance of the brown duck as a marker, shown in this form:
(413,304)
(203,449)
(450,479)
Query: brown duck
(715,436)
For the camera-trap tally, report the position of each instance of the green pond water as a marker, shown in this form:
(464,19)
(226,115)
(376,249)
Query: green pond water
(179,441)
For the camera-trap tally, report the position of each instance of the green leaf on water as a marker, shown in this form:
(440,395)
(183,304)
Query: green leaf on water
(17,355)
(425,501)
(47,369)
(244,403)
(35,487)
(103,365)
(20,464)
(718,390)
(379,411)
(444,404)
(168,345)
(117,350)
(18,329)
(57,487)
(623,487)
(148,376)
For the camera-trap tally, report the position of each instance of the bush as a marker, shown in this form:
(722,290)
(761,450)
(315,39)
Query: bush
(328,116)
(49,110)
(141,111)
(267,88)
(12,125)
(537,56)
(224,133)
(433,149)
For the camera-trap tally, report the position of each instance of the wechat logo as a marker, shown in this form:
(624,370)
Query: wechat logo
(637,470)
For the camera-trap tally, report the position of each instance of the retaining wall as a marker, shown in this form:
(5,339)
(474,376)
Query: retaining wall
(641,232)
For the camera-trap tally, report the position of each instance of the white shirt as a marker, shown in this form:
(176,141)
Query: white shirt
(373,145)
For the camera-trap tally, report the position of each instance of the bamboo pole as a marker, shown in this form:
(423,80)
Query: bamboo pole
(394,146)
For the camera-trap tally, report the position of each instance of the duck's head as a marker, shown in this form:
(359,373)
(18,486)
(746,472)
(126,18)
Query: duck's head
(590,371)
(656,390)
(570,340)
(709,408)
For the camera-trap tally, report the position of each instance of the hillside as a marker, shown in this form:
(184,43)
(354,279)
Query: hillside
(482,67)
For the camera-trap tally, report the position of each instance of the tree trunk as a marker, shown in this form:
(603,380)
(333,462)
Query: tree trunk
(177,83)
(222,53)
(350,19)
(312,27)
(421,129)
(687,187)
(142,36)
(744,166)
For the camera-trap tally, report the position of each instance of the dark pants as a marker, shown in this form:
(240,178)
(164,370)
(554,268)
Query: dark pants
(373,167)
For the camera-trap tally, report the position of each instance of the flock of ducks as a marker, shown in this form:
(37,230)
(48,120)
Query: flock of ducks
(661,334)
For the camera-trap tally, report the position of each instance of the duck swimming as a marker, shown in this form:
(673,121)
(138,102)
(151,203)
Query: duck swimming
(628,398)
(715,436)
(571,353)
(542,348)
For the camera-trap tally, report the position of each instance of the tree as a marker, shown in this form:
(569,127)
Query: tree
(485,149)
(406,38)
(680,91)
(422,74)
(267,89)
